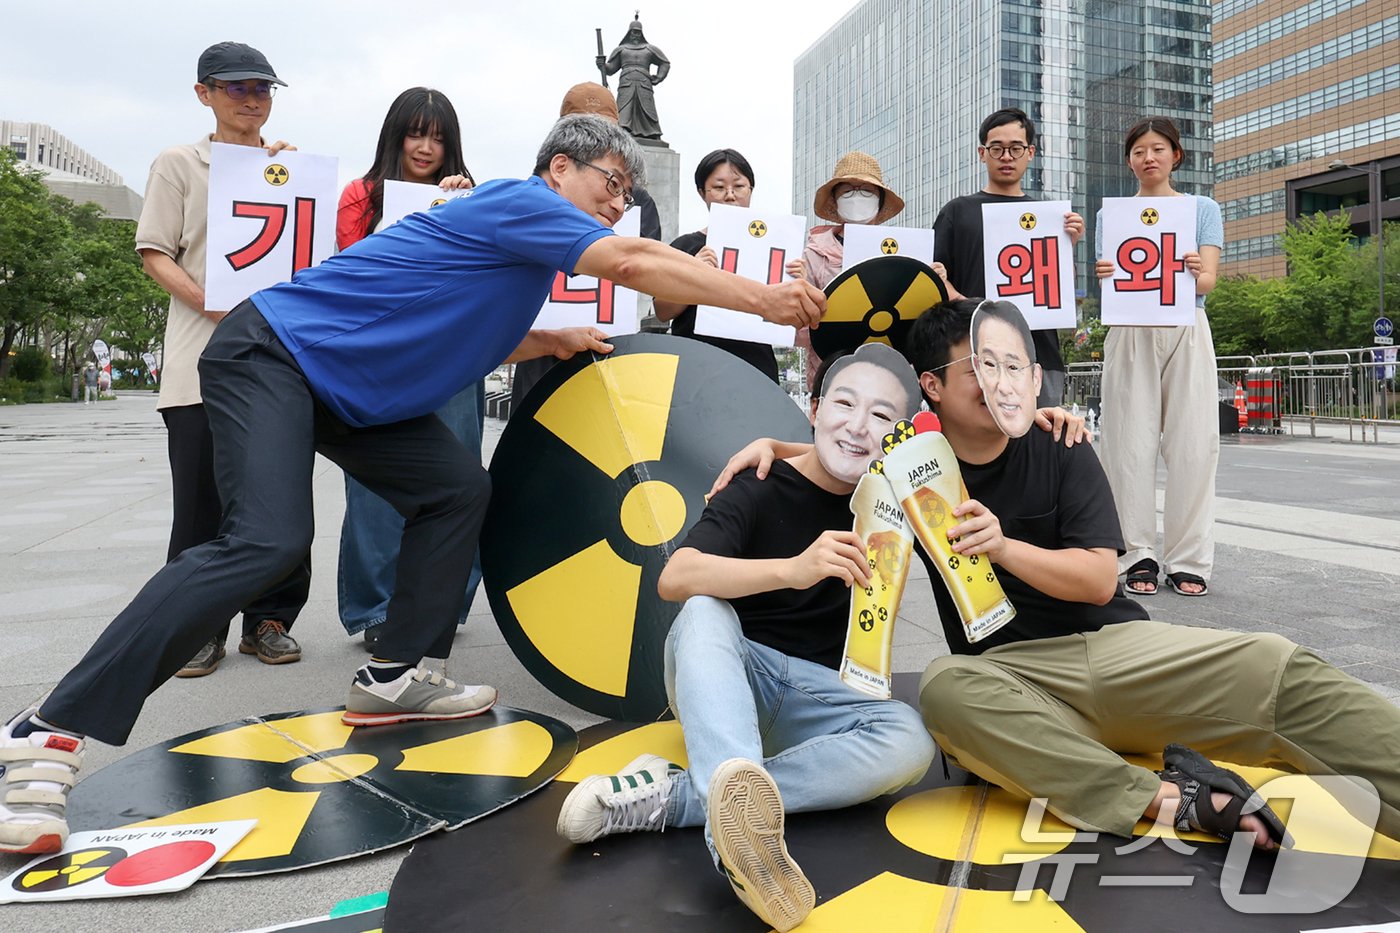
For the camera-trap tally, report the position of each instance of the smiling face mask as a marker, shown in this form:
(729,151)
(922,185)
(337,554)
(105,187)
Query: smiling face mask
(863,397)
(857,207)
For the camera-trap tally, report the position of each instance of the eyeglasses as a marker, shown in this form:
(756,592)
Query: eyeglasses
(738,190)
(1016,373)
(852,192)
(1015,150)
(262,90)
(615,186)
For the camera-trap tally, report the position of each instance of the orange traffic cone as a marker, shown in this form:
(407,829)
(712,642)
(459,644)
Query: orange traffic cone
(1242,406)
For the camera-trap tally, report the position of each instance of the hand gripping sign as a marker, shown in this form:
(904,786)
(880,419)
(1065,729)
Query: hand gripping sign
(402,198)
(869,241)
(757,245)
(1029,260)
(269,216)
(1147,240)
(585,301)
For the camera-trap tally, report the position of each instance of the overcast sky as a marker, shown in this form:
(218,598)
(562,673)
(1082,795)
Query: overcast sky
(115,76)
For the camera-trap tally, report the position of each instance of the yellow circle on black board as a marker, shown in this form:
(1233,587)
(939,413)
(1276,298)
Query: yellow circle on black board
(1150,216)
(889,246)
(1027,221)
(878,299)
(68,869)
(595,481)
(276,175)
(334,769)
(653,513)
(758,228)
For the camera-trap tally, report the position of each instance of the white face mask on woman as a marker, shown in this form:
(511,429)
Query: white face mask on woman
(857,207)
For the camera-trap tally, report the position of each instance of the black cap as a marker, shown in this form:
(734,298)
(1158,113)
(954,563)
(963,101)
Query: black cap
(234,61)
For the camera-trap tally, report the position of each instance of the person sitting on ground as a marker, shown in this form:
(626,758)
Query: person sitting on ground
(751,660)
(1047,705)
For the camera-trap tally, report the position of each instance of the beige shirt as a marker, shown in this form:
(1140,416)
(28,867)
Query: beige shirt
(175,221)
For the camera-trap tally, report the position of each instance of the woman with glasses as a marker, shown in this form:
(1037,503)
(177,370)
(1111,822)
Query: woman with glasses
(1159,394)
(722,177)
(236,83)
(420,141)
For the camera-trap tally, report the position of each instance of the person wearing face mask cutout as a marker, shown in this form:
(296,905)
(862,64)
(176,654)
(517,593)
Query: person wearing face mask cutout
(751,660)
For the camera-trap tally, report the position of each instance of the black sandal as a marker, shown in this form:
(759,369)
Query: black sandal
(1178,578)
(1144,571)
(1198,776)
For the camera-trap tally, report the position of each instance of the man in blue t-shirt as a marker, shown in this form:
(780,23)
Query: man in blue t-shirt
(346,360)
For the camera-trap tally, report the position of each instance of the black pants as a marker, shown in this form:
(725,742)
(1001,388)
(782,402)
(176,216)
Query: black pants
(198,512)
(267,429)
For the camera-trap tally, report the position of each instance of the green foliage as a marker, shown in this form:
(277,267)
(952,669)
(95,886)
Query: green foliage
(1085,343)
(32,364)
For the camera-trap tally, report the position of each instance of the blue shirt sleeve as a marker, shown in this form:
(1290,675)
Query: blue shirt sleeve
(1210,229)
(543,227)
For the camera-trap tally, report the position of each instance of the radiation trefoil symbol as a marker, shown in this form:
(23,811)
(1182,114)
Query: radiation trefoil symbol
(758,228)
(1150,216)
(437,201)
(876,300)
(889,246)
(1027,221)
(276,175)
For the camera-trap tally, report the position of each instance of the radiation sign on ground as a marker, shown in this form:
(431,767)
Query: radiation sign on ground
(876,300)
(323,791)
(122,863)
(594,483)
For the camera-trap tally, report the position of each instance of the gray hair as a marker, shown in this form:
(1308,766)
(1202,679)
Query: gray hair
(586,137)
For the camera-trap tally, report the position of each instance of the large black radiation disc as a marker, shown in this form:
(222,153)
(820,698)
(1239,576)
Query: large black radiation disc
(595,482)
(323,791)
(877,299)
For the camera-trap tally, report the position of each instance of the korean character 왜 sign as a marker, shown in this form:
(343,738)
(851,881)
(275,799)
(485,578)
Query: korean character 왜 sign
(1028,260)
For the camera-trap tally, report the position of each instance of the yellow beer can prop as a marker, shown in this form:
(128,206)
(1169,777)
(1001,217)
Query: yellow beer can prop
(924,474)
(889,545)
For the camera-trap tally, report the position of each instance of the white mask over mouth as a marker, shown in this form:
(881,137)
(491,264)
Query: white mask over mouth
(858,207)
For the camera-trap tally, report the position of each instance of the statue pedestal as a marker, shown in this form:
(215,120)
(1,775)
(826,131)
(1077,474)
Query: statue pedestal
(663,184)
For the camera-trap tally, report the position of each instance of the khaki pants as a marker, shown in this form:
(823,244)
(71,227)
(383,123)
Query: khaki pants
(1159,393)
(1049,718)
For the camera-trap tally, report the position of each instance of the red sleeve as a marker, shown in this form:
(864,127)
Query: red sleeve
(352,216)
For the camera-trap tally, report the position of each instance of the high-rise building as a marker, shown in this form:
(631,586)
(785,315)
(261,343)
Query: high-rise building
(69,170)
(909,81)
(1300,85)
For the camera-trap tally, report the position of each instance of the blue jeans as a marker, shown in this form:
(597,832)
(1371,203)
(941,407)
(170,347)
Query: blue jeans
(825,744)
(369,537)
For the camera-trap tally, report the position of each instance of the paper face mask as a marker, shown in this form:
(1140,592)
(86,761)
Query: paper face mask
(1003,356)
(863,396)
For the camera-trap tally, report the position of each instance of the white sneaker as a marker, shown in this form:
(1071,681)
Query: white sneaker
(633,801)
(36,773)
(416,694)
(746,827)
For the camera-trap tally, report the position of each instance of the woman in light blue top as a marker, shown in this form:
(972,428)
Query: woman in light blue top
(1159,394)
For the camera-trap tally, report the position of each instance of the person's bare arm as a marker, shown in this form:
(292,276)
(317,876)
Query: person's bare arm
(670,275)
(760,455)
(168,275)
(670,310)
(562,343)
(1205,267)
(1081,575)
(691,572)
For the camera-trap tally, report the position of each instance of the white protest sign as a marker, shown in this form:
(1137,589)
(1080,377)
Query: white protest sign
(584,301)
(402,198)
(756,244)
(269,216)
(124,862)
(1146,239)
(865,241)
(1028,260)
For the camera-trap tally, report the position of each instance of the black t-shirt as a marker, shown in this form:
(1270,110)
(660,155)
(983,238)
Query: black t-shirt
(757,355)
(780,517)
(1052,496)
(957,243)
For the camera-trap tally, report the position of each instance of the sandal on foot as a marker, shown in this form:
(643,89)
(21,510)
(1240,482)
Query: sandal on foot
(1177,579)
(1198,776)
(1143,572)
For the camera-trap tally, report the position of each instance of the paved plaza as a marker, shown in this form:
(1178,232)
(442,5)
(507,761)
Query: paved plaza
(1308,545)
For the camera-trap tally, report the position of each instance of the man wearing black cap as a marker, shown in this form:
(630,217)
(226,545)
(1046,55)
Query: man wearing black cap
(237,83)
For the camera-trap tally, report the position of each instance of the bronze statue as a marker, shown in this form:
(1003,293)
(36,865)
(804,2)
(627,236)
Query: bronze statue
(636,104)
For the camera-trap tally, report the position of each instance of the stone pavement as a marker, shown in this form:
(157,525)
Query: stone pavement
(1308,545)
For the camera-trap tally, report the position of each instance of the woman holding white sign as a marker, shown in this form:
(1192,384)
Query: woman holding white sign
(420,142)
(722,177)
(1159,394)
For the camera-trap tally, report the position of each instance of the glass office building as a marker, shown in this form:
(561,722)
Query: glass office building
(909,81)
(1300,84)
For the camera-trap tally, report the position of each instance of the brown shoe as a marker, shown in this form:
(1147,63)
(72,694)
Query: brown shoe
(205,662)
(271,644)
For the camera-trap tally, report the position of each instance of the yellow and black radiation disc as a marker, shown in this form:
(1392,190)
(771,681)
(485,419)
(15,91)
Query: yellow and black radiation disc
(276,175)
(594,484)
(323,791)
(67,869)
(876,300)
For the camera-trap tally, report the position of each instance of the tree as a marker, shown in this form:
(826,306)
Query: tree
(35,253)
